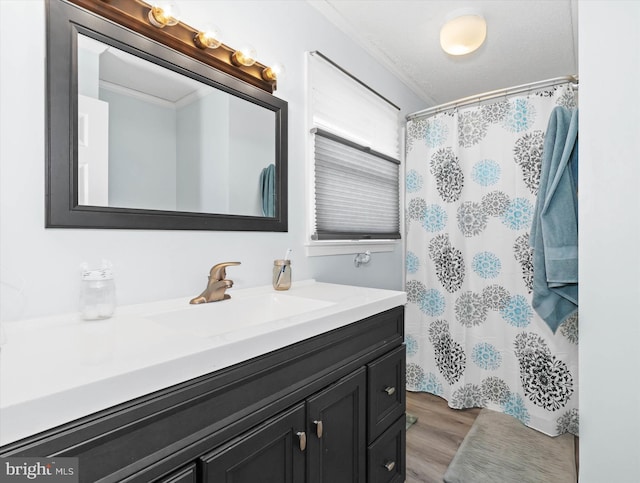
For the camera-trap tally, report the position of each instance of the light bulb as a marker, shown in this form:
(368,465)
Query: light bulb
(274,72)
(164,13)
(245,56)
(208,37)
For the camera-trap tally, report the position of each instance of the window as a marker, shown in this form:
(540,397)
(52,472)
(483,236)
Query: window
(356,191)
(355,151)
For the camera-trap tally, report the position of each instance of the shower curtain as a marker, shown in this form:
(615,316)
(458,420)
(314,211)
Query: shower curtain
(472,336)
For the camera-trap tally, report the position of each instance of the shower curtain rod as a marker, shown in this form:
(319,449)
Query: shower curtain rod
(430,111)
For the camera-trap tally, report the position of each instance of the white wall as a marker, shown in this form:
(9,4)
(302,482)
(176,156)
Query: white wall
(142,164)
(203,154)
(249,140)
(152,265)
(609,241)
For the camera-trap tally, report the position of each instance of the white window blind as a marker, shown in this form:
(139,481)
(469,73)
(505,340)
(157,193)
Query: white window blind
(356,191)
(343,105)
(356,153)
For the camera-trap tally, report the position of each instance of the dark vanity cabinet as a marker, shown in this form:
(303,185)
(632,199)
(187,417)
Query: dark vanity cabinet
(326,445)
(326,409)
(332,440)
(274,451)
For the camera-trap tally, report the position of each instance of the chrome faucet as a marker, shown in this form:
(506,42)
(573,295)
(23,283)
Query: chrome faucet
(217,285)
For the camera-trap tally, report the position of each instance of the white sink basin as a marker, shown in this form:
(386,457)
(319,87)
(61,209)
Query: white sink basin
(83,367)
(215,318)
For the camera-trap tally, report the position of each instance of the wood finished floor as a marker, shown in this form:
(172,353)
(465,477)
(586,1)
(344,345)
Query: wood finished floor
(435,437)
(433,440)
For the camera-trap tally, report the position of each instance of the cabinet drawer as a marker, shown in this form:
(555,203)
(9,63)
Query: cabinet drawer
(387,456)
(386,391)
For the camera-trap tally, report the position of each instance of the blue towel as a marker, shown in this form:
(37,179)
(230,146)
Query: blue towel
(554,233)
(268,190)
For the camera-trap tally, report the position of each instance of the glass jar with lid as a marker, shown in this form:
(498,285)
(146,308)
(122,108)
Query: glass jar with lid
(97,292)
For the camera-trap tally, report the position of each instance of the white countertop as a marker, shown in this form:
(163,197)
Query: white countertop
(57,369)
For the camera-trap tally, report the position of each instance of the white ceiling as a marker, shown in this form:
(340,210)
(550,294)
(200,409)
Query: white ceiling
(146,78)
(119,69)
(527,41)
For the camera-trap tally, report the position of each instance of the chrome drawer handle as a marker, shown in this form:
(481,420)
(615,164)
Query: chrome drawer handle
(303,440)
(390,465)
(318,428)
(390,390)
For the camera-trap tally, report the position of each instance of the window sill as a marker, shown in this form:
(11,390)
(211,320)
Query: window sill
(349,247)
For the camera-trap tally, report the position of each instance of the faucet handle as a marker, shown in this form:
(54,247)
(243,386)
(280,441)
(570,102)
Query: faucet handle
(218,271)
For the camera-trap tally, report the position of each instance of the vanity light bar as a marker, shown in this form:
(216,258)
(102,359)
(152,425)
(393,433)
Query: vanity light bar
(134,15)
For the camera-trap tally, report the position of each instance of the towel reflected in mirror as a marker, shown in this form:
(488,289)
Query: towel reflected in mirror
(268,190)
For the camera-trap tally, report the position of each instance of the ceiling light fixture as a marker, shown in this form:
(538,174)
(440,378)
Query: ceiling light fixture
(464,31)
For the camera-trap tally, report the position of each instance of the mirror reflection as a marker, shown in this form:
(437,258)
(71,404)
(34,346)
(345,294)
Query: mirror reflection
(150,138)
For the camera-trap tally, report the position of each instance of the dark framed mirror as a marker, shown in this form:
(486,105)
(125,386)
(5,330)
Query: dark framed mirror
(142,136)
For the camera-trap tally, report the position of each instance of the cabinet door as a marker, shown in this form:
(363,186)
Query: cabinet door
(272,453)
(336,419)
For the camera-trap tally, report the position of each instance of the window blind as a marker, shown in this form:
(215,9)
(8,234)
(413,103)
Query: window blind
(356,191)
(341,104)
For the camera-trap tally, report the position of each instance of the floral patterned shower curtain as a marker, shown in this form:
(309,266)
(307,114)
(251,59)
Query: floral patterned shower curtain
(472,336)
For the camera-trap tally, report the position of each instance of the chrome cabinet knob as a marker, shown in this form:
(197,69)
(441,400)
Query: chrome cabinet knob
(390,465)
(390,390)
